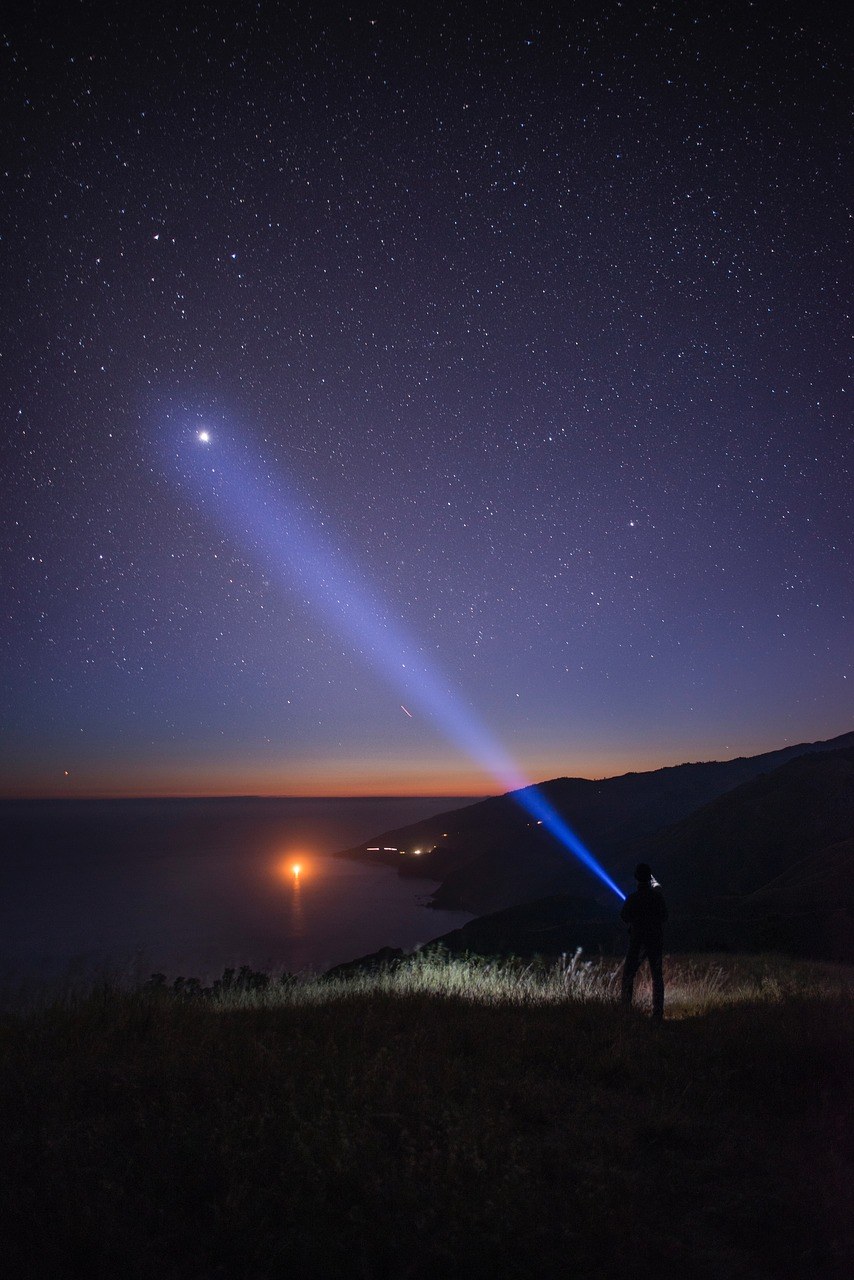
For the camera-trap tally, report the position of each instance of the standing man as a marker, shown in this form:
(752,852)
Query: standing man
(645,913)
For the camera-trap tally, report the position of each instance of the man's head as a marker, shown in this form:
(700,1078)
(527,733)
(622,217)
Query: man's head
(643,873)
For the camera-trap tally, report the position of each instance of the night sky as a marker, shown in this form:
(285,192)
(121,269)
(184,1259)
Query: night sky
(534,317)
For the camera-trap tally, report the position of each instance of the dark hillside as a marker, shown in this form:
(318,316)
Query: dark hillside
(766,867)
(758,833)
(552,926)
(807,911)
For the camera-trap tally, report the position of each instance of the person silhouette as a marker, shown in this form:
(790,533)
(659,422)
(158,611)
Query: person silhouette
(644,912)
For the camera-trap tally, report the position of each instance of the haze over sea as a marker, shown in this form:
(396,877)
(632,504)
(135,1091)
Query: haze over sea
(190,887)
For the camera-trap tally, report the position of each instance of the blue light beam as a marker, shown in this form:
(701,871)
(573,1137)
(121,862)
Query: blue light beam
(276,527)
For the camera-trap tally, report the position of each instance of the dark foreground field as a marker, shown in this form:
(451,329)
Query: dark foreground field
(452,1119)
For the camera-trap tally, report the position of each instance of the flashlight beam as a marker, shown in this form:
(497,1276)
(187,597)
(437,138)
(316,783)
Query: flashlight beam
(274,522)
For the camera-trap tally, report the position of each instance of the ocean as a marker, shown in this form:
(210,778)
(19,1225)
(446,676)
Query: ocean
(126,888)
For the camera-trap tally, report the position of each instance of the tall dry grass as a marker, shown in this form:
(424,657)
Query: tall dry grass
(693,985)
(447,1117)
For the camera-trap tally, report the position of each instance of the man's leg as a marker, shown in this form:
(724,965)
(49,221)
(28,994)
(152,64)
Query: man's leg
(630,968)
(657,971)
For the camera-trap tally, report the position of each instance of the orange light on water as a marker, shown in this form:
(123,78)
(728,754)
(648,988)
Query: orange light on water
(292,869)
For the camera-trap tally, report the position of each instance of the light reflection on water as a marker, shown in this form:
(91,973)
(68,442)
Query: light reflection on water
(296,916)
(193,887)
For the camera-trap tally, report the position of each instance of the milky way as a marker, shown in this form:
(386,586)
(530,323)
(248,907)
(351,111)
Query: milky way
(543,320)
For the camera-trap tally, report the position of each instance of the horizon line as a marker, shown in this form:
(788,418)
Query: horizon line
(257,795)
(474,794)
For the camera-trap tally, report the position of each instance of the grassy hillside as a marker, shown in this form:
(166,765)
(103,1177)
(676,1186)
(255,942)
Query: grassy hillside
(449,1118)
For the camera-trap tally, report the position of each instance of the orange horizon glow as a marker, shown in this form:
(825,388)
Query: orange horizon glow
(243,789)
(340,780)
(338,783)
(98,778)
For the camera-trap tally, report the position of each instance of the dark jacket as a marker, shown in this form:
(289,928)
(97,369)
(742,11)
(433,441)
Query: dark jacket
(645,912)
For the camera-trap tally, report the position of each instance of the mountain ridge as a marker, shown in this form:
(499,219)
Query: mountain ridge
(765,866)
(491,854)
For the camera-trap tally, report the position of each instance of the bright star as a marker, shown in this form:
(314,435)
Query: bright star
(204,437)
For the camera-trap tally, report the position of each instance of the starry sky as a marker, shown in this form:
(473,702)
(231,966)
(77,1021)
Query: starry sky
(535,314)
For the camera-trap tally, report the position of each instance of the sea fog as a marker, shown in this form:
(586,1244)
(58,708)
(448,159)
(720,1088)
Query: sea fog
(125,888)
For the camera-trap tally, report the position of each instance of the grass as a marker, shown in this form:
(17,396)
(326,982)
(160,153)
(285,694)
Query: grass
(451,1117)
